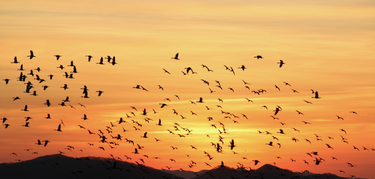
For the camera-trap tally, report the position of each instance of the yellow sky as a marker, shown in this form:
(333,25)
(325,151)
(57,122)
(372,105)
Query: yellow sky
(326,46)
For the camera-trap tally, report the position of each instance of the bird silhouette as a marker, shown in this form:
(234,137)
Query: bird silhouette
(61,67)
(99,92)
(15,60)
(258,57)
(84,117)
(281,63)
(65,87)
(58,128)
(135,151)
(200,100)
(21,67)
(176,57)
(26,124)
(159,123)
(329,146)
(57,57)
(74,69)
(281,131)
(31,55)
(89,57)
(25,108)
(6,80)
(113,60)
(144,135)
(166,71)
(45,142)
(316,95)
(100,61)
(256,162)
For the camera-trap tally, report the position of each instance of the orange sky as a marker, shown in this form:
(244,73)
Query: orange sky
(326,46)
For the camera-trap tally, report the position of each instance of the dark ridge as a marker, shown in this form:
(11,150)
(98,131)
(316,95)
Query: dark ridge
(63,167)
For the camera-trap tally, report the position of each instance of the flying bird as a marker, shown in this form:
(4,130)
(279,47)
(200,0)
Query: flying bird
(58,128)
(281,63)
(316,95)
(31,55)
(89,57)
(25,108)
(100,61)
(57,57)
(176,57)
(15,60)
(99,92)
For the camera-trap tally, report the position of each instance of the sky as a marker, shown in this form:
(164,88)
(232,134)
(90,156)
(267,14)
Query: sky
(327,46)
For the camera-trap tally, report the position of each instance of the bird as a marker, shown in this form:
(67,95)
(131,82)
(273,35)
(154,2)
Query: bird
(6,80)
(26,124)
(113,61)
(31,55)
(166,71)
(21,67)
(39,142)
(200,100)
(25,108)
(329,146)
(231,144)
(45,142)
(145,135)
(281,62)
(15,60)
(176,57)
(58,128)
(242,67)
(316,95)
(65,87)
(74,69)
(135,151)
(100,61)
(84,117)
(99,92)
(258,57)
(256,162)
(339,117)
(281,131)
(350,164)
(277,110)
(299,112)
(89,57)
(57,57)
(206,82)
(61,67)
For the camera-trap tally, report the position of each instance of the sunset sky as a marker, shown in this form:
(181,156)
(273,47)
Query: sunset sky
(327,46)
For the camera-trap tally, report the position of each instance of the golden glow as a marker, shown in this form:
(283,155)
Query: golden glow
(326,46)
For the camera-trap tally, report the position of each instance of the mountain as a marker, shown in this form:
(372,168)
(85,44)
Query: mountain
(185,174)
(63,167)
(266,171)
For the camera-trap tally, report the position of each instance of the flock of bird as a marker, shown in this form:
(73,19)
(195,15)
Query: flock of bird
(219,146)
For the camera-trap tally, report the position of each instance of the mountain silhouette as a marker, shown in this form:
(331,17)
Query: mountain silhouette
(63,167)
